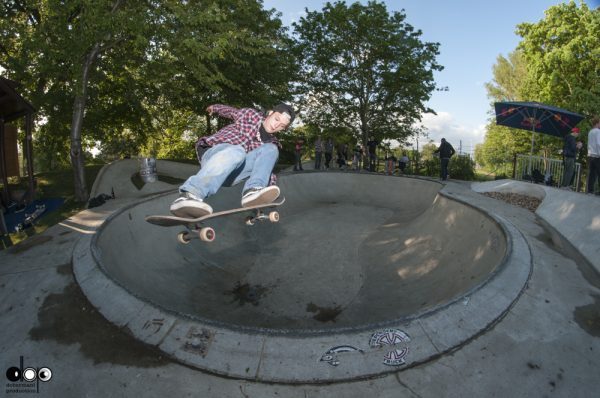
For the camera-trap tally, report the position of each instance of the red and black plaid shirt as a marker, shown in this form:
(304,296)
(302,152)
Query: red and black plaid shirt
(244,131)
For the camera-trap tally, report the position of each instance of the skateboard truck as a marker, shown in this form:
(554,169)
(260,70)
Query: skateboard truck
(197,230)
(208,234)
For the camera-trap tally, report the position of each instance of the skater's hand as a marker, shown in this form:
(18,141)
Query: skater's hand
(209,110)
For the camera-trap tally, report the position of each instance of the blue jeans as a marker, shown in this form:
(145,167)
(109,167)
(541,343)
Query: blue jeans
(226,164)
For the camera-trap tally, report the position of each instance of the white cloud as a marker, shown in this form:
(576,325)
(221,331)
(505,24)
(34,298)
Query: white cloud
(444,125)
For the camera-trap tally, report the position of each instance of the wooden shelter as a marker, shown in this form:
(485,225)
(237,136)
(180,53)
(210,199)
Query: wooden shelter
(13,107)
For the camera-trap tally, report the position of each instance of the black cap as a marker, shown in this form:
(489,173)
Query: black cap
(285,108)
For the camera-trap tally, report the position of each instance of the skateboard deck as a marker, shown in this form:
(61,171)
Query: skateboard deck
(194,225)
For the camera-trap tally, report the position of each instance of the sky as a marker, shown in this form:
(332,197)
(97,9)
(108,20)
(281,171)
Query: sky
(472,34)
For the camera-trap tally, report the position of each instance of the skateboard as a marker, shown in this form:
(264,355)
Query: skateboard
(196,230)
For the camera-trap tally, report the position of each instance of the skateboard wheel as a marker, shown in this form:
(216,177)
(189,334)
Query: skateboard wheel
(207,234)
(249,220)
(183,237)
(274,216)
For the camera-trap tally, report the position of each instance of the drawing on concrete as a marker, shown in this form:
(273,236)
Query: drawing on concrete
(331,355)
(393,337)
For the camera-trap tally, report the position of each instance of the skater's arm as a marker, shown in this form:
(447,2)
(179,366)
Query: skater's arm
(225,111)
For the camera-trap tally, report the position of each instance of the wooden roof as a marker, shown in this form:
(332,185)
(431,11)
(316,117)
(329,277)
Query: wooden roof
(12,105)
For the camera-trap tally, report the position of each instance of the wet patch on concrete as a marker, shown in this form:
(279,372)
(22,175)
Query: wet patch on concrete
(29,243)
(324,314)
(247,294)
(533,366)
(64,269)
(68,318)
(588,317)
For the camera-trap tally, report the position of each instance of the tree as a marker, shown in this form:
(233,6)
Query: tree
(364,69)
(562,52)
(510,76)
(556,63)
(62,51)
(95,69)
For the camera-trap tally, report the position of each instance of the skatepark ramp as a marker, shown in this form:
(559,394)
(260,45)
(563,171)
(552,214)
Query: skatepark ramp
(353,254)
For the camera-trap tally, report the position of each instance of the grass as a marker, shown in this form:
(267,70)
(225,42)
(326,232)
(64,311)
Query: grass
(58,184)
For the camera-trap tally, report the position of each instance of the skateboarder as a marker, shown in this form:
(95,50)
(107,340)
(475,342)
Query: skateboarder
(246,148)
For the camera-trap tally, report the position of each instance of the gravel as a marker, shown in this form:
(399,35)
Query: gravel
(528,202)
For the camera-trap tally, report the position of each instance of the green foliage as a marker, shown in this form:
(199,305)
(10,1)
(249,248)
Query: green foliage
(556,63)
(462,167)
(152,66)
(364,69)
(562,52)
(510,76)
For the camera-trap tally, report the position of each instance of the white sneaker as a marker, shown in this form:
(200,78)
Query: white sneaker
(259,196)
(188,205)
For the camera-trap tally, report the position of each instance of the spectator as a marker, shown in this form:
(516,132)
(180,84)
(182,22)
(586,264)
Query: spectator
(298,154)
(403,162)
(357,158)
(446,151)
(593,155)
(318,153)
(342,156)
(569,154)
(328,152)
(390,164)
(372,153)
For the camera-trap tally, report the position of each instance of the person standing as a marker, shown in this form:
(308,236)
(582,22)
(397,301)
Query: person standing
(593,155)
(446,150)
(569,154)
(357,158)
(328,152)
(372,153)
(318,153)
(403,162)
(298,154)
(342,156)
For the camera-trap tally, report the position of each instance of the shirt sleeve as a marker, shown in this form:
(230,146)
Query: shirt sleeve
(226,111)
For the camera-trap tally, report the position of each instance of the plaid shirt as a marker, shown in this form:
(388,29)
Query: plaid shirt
(244,131)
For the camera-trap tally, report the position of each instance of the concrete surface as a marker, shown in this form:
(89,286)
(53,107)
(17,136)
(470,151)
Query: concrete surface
(546,344)
(373,263)
(574,216)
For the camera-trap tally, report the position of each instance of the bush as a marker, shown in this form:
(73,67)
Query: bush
(461,167)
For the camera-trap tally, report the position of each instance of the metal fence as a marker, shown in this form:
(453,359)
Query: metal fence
(550,171)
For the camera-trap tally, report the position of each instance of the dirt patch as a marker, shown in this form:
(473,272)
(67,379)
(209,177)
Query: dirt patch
(527,202)
(29,244)
(323,314)
(247,294)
